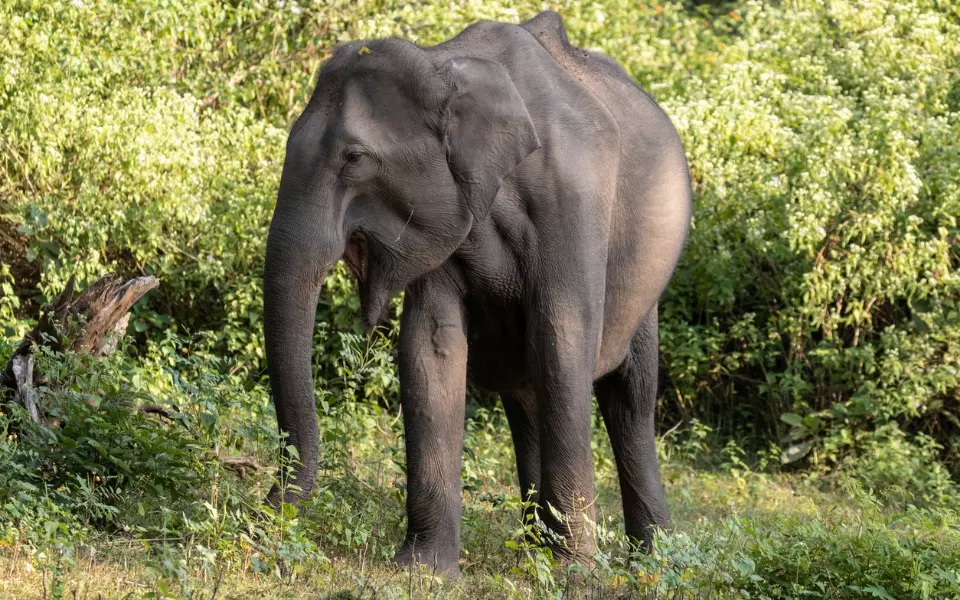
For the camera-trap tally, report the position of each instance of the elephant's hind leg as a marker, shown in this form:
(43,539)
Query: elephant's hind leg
(627,398)
(521,409)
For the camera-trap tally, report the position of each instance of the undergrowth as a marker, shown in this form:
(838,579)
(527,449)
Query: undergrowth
(146,499)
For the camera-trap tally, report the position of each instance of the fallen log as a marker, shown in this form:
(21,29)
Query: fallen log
(94,322)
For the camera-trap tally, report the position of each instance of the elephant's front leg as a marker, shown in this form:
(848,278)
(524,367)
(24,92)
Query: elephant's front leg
(433,364)
(563,352)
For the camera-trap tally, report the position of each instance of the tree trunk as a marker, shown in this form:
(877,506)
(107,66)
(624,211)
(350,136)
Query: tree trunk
(93,323)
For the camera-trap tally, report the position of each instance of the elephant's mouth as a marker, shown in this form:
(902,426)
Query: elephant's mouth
(356,255)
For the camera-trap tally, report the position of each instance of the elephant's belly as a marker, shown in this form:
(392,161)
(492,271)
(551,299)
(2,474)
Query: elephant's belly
(496,360)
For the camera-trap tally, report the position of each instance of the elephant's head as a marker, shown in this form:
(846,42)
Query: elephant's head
(391,163)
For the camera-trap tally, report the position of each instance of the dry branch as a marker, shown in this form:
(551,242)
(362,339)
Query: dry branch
(240,464)
(94,323)
(156,409)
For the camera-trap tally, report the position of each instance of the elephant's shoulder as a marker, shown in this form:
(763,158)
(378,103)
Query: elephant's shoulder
(594,69)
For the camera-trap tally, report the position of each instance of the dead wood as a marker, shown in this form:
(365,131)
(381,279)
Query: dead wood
(156,409)
(240,464)
(93,323)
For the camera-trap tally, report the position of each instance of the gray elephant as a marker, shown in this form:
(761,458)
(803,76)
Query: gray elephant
(532,202)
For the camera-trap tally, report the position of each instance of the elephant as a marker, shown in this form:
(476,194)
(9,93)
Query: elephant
(531,201)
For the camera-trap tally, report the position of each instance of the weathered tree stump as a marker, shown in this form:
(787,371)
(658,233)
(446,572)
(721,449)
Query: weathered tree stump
(94,323)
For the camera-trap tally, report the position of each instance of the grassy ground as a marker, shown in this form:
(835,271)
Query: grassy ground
(116,567)
(738,531)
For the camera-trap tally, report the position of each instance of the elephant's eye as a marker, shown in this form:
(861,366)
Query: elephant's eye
(357,166)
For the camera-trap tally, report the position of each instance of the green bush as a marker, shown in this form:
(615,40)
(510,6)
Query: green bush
(96,453)
(13,327)
(822,276)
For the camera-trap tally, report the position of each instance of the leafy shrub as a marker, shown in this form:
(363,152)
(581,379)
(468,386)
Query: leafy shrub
(822,275)
(892,464)
(13,328)
(98,451)
(101,464)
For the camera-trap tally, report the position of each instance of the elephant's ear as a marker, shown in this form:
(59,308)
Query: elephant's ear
(488,129)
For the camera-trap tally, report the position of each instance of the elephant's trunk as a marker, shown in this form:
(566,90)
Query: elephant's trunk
(296,261)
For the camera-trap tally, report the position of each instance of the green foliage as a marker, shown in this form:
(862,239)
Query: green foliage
(13,327)
(890,463)
(102,449)
(822,276)
(133,448)
(814,318)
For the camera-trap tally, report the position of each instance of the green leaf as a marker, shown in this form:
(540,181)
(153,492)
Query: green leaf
(792,419)
(50,527)
(745,565)
(948,576)
(877,592)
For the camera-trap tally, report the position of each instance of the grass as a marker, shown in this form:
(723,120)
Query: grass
(116,567)
(738,530)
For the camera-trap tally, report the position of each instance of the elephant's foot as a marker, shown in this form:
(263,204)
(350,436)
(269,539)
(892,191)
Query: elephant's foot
(275,497)
(438,558)
(291,495)
(569,552)
(292,489)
